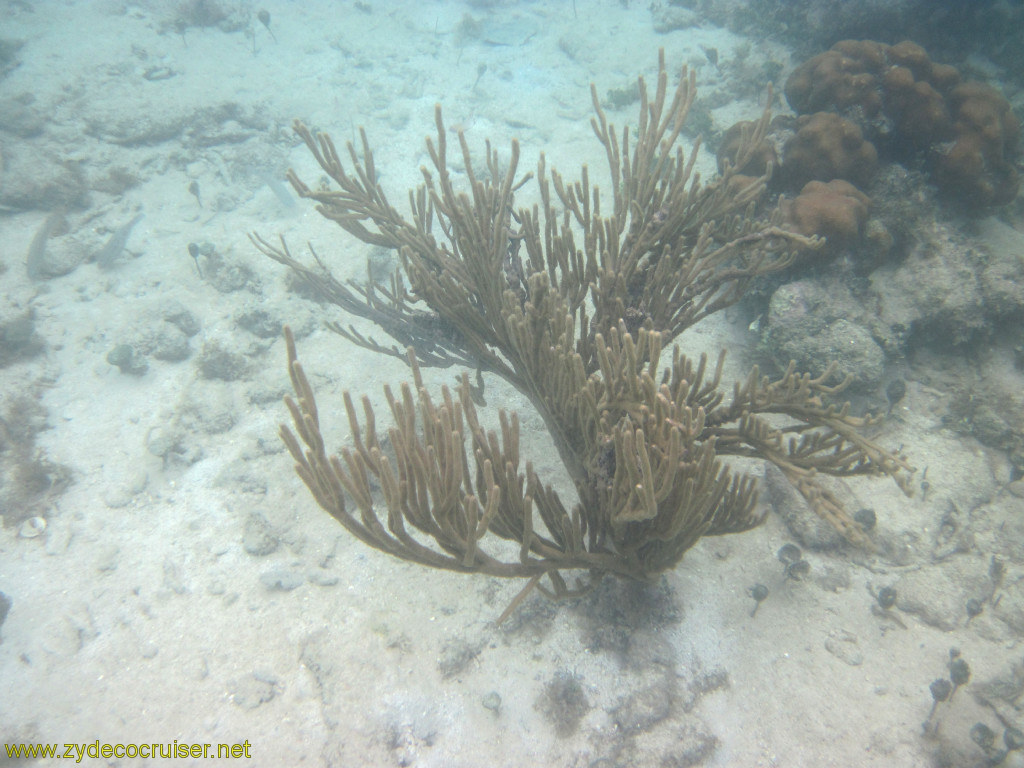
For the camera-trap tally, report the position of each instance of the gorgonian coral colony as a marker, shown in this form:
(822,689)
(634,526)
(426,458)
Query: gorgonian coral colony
(572,301)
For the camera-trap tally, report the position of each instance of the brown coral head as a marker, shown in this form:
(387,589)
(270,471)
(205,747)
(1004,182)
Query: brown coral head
(843,78)
(825,147)
(918,111)
(964,171)
(978,166)
(835,210)
(981,109)
(911,56)
(916,108)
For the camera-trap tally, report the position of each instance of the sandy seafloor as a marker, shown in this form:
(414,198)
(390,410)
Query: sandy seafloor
(139,615)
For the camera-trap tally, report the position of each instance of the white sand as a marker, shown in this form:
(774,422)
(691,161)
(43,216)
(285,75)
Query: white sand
(138,616)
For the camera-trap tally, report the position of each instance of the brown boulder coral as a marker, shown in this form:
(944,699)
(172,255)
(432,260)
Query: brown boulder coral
(842,78)
(912,107)
(979,166)
(825,147)
(835,210)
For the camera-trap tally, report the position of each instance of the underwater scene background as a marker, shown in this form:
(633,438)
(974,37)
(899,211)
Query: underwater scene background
(166,579)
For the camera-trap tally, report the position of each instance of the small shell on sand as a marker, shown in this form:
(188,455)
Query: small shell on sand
(32,527)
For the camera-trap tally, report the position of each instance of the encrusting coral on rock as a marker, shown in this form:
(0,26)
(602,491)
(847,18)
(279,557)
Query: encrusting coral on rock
(572,301)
